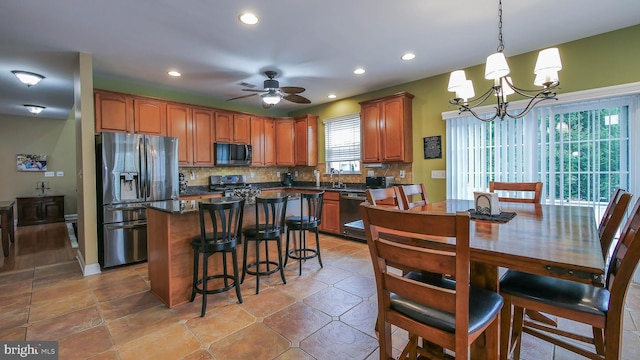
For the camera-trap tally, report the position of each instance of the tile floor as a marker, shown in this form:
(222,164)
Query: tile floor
(326,313)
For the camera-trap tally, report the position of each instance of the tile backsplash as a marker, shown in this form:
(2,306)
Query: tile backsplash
(305,173)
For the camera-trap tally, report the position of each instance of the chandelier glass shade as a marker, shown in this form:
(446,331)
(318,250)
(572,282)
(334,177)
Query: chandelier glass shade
(497,70)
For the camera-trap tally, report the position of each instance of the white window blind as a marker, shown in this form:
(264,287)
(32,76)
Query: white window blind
(342,142)
(581,151)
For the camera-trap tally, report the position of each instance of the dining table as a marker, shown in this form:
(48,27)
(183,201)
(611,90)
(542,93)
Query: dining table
(8,230)
(551,240)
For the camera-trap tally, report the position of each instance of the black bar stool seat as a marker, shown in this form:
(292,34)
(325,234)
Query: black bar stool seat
(309,219)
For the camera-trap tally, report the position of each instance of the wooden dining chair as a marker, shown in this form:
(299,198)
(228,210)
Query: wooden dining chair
(413,195)
(612,219)
(601,308)
(447,313)
(387,197)
(520,187)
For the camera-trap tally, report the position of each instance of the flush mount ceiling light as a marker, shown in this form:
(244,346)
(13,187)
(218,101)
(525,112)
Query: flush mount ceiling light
(248,18)
(174,73)
(332,96)
(497,69)
(34,109)
(27,78)
(359,71)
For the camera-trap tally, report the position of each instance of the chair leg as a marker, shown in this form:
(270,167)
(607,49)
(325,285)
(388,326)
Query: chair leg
(205,275)
(505,328)
(224,269)
(300,248)
(286,249)
(244,259)
(598,340)
(279,247)
(196,257)
(384,340)
(266,255)
(257,267)
(516,334)
(318,247)
(235,274)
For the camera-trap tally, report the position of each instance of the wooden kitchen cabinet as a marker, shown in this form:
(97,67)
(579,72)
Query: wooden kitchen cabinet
(263,141)
(285,146)
(306,140)
(203,130)
(113,112)
(179,124)
(232,127)
(269,142)
(149,117)
(386,129)
(34,210)
(331,213)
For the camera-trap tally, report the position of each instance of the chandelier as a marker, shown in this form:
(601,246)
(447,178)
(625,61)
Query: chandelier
(497,69)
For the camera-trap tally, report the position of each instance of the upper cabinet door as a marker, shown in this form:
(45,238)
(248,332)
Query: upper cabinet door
(224,126)
(392,139)
(257,141)
(203,125)
(269,142)
(370,118)
(113,112)
(179,125)
(285,148)
(386,129)
(149,117)
(306,138)
(241,128)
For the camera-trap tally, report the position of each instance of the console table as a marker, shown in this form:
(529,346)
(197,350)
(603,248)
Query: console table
(34,210)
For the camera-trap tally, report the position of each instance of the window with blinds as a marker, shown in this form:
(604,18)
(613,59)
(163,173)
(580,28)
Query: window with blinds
(342,143)
(580,151)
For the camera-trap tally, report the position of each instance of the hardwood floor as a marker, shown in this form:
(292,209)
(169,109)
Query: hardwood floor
(38,245)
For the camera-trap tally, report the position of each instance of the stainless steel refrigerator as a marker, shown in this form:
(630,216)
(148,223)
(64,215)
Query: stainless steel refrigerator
(133,171)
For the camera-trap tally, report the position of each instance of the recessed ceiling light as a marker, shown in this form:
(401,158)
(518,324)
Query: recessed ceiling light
(174,73)
(248,18)
(359,71)
(408,56)
(27,78)
(332,96)
(34,109)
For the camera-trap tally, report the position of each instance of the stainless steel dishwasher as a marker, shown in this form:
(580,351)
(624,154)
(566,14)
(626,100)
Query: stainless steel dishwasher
(350,211)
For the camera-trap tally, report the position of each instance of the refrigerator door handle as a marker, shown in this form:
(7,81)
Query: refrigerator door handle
(135,225)
(143,168)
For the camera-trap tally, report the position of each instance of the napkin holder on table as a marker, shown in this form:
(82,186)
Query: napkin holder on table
(486,203)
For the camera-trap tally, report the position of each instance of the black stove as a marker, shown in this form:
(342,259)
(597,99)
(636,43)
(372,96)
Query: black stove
(233,185)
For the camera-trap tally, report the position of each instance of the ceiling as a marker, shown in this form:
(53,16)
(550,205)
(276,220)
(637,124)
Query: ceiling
(311,44)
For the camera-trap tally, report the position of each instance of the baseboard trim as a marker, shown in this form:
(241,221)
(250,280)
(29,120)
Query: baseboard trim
(91,269)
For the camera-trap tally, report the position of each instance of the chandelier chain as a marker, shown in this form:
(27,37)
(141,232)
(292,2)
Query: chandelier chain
(500,40)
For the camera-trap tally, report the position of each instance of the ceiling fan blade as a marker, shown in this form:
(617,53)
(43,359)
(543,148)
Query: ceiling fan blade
(255,90)
(297,99)
(241,97)
(292,89)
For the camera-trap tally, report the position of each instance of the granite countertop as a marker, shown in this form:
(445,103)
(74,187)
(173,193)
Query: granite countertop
(204,189)
(181,207)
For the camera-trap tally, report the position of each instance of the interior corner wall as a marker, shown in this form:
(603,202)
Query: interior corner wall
(37,135)
(598,61)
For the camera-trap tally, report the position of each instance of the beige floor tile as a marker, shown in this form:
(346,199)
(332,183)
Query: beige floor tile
(124,306)
(172,342)
(136,325)
(254,342)
(339,341)
(219,322)
(61,305)
(333,301)
(297,321)
(267,302)
(85,344)
(64,325)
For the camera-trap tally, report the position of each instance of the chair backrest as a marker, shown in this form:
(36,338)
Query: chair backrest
(387,197)
(535,187)
(620,274)
(224,216)
(311,207)
(391,237)
(612,219)
(413,195)
(270,216)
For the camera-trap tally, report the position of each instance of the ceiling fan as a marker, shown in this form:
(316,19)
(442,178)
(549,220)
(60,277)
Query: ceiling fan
(273,93)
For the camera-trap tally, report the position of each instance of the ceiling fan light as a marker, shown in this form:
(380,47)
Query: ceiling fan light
(34,109)
(27,78)
(548,60)
(271,98)
(496,67)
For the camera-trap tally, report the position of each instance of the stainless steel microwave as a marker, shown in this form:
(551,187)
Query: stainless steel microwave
(232,154)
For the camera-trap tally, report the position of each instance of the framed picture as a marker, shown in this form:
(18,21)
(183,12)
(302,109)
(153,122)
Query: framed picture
(433,147)
(31,162)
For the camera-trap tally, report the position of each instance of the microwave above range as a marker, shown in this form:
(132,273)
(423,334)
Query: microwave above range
(227,154)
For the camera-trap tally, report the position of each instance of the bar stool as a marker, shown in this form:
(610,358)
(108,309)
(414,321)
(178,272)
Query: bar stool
(309,219)
(272,210)
(225,218)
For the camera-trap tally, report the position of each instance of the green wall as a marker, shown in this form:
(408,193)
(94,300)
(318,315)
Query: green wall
(598,61)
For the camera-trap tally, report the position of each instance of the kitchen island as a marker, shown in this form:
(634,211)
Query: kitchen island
(170,227)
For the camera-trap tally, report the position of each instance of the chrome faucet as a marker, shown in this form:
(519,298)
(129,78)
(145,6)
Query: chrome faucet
(339,184)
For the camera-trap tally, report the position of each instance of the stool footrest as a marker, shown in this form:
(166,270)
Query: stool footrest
(199,290)
(257,265)
(297,254)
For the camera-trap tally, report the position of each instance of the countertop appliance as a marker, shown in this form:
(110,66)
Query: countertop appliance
(134,170)
(227,154)
(287,179)
(379,182)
